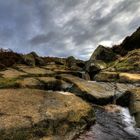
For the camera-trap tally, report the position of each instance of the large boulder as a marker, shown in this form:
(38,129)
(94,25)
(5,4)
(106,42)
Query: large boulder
(33,59)
(75,64)
(103,53)
(90,91)
(34,114)
(99,60)
(94,66)
(29,59)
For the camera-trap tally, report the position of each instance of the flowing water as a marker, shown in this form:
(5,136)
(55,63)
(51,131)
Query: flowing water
(113,123)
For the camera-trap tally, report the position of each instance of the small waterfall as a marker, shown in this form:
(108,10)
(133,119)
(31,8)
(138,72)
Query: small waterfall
(113,123)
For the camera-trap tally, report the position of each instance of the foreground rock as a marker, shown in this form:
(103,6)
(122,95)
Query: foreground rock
(104,54)
(93,92)
(33,114)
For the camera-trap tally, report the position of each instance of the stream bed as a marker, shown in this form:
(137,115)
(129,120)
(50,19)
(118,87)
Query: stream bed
(112,123)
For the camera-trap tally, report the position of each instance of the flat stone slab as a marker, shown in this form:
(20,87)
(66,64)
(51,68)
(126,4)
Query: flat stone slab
(35,70)
(129,77)
(30,82)
(12,73)
(91,91)
(47,79)
(29,113)
(107,77)
(118,77)
(55,67)
(50,83)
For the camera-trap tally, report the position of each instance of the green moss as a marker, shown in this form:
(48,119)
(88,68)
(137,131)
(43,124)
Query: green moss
(130,62)
(8,83)
(14,135)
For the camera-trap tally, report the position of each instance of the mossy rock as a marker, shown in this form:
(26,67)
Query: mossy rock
(128,63)
(107,77)
(9,83)
(34,114)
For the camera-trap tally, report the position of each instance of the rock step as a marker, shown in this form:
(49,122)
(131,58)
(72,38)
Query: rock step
(33,114)
(118,77)
(93,92)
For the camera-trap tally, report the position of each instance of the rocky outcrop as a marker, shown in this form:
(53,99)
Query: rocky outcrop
(120,58)
(125,65)
(33,59)
(9,58)
(104,54)
(128,63)
(130,43)
(99,60)
(75,64)
(93,67)
(33,114)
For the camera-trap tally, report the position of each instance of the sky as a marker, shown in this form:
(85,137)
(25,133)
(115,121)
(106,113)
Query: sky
(66,27)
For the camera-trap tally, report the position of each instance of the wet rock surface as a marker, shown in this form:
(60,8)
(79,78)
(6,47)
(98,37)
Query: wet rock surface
(112,123)
(131,98)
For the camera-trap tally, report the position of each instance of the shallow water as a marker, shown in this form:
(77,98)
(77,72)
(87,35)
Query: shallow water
(113,123)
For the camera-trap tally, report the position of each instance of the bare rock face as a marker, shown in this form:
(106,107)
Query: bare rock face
(103,53)
(99,60)
(89,91)
(75,64)
(94,66)
(33,114)
(33,59)
(130,43)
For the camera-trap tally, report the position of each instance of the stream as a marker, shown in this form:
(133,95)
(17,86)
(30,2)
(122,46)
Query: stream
(112,123)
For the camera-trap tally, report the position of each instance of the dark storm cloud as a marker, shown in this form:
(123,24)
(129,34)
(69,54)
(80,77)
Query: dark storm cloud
(66,27)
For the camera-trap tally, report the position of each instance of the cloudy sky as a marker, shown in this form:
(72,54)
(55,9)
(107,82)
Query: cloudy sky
(66,27)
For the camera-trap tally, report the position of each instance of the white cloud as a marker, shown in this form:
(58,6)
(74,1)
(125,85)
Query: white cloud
(62,28)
